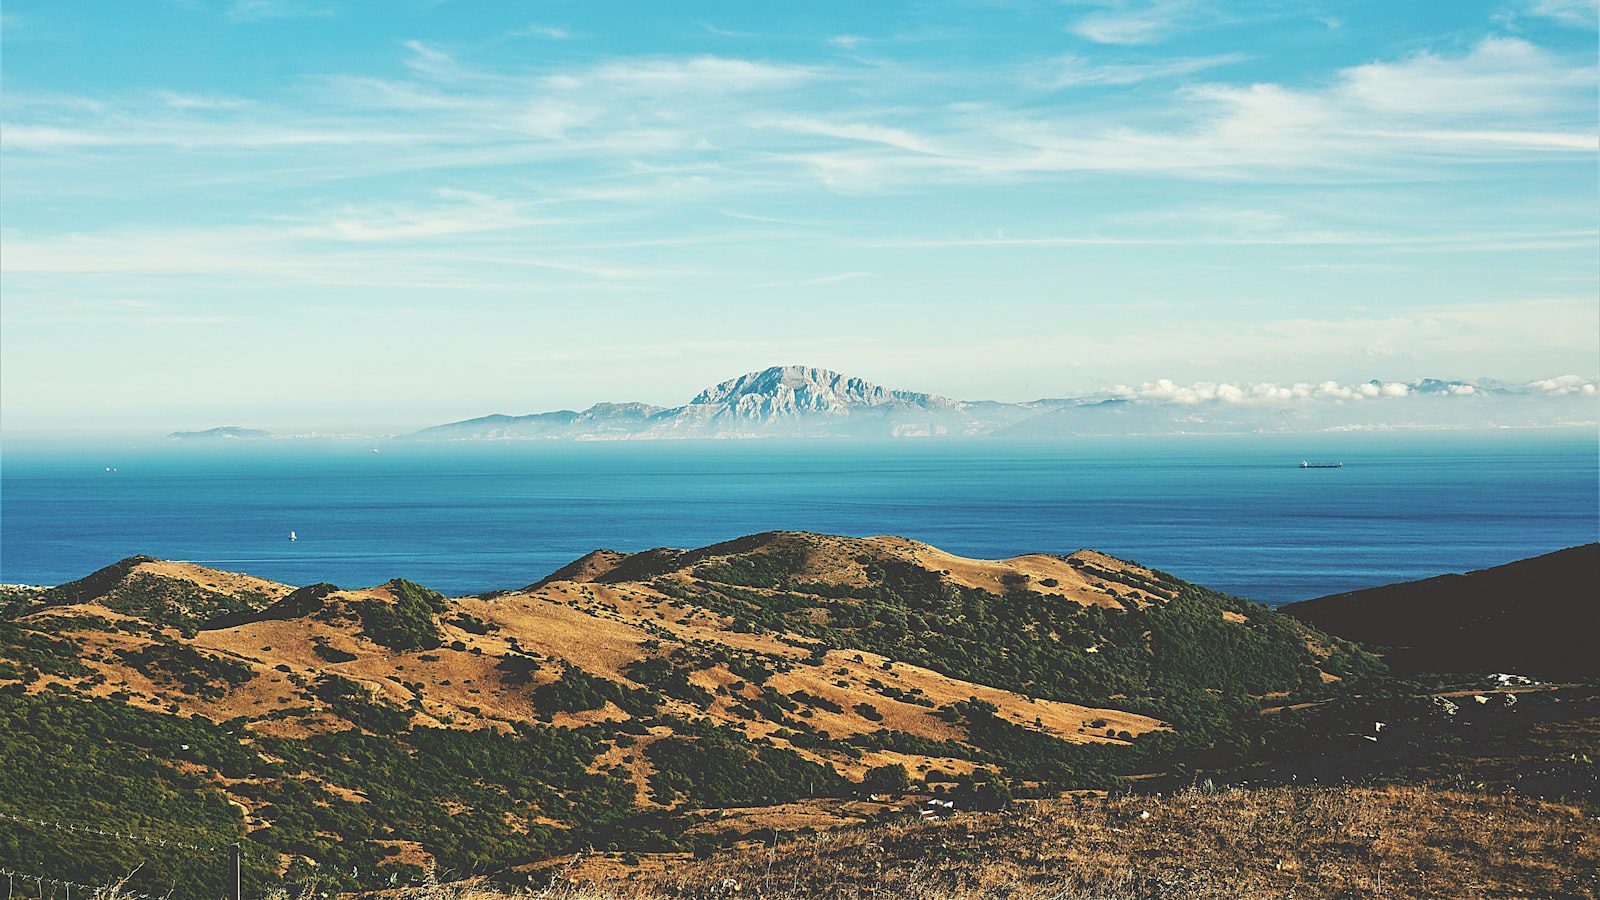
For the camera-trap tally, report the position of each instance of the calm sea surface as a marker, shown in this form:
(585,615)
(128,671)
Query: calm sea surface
(1234,513)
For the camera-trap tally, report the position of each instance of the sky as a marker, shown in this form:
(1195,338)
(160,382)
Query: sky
(336,215)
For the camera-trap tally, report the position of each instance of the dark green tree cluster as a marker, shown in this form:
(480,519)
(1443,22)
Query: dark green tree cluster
(577,690)
(719,767)
(457,793)
(669,677)
(406,624)
(170,602)
(194,672)
(1177,659)
(26,653)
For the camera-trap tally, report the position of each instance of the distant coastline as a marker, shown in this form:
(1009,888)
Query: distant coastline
(807,402)
(227,433)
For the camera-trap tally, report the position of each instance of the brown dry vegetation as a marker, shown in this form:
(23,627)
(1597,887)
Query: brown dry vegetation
(271,651)
(836,560)
(1261,842)
(599,614)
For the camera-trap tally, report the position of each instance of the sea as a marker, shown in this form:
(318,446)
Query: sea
(1235,513)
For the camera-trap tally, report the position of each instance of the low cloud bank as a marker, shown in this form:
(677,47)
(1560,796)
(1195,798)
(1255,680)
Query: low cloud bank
(1165,390)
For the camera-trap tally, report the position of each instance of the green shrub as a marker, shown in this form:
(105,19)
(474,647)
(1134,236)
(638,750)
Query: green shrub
(406,624)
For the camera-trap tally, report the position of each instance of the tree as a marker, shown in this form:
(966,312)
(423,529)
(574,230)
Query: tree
(986,793)
(890,779)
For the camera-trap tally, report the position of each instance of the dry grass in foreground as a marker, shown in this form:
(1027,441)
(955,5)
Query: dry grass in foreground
(1257,842)
(1305,842)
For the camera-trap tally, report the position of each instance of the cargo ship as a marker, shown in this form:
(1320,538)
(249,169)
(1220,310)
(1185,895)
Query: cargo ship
(1312,465)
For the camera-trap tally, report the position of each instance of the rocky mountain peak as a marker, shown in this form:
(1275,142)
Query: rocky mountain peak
(803,389)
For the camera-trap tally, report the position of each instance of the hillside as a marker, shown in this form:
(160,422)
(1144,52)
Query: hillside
(1503,801)
(1536,617)
(354,736)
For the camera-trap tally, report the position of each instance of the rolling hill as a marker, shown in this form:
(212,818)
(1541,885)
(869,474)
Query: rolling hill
(655,701)
(1537,617)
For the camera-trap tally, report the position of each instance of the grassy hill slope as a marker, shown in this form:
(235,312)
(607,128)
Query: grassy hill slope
(354,737)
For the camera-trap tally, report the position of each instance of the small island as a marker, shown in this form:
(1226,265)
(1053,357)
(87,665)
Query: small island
(230,433)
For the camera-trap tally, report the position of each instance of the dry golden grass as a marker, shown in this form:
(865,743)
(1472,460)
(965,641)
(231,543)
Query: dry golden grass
(601,627)
(569,619)
(1262,842)
(1267,842)
(833,559)
(212,579)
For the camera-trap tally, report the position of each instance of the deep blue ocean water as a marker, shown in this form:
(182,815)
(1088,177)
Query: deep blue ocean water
(1234,513)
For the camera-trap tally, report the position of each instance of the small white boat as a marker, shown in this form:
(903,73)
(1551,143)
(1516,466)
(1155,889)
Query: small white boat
(293,536)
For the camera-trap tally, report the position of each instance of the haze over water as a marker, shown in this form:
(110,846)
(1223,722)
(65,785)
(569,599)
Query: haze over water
(1234,513)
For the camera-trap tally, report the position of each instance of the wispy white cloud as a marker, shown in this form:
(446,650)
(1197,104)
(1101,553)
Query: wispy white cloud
(262,10)
(1500,76)
(553,32)
(1133,21)
(1576,13)
(428,60)
(1504,96)
(179,100)
(814,282)
(472,214)
(351,247)
(1075,71)
(1512,240)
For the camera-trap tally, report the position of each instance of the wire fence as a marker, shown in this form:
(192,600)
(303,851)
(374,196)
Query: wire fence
(61,887)
(55,888)
(125,836)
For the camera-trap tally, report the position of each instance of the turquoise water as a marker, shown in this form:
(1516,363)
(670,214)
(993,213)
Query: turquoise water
(1234,513)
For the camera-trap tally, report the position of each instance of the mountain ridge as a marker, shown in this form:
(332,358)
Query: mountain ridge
(794,401)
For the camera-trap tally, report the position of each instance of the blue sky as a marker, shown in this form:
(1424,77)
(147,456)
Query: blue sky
(322,214)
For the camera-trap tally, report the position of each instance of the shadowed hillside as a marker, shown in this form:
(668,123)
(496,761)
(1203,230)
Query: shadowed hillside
(1537,617)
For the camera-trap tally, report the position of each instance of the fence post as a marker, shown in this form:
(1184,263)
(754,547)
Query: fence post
(238,892)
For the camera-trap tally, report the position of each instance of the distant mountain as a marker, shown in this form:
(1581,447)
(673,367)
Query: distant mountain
(1536,617)
(220,434)
(800,401)
(783,401)
(602,420)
